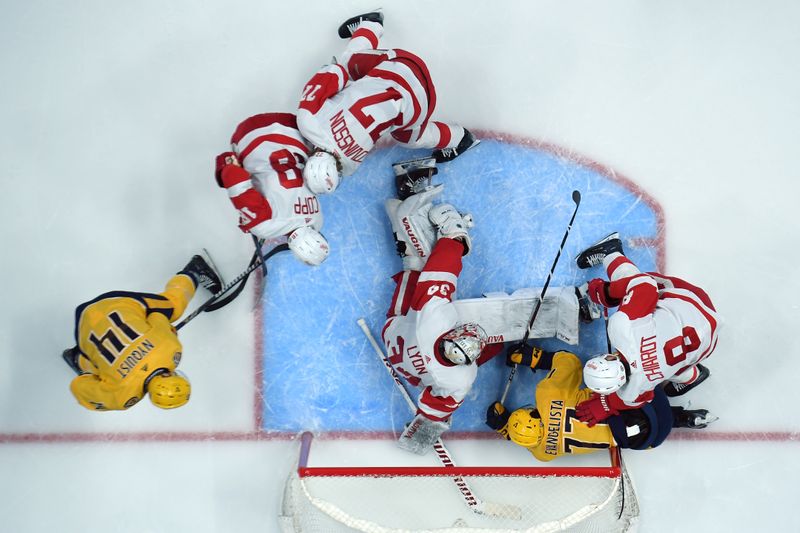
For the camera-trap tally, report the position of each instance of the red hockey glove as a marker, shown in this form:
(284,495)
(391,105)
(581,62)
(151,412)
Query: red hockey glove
(224,159)
(594,410)
(598,293)
(253,208)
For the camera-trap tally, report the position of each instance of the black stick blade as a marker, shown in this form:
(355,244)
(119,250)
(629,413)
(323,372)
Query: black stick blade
(576,197)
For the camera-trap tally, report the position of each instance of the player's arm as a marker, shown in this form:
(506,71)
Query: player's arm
(328,81)
(97,395)
(254,210)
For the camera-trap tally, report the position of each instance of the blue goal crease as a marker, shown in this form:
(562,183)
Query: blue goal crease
(320,373)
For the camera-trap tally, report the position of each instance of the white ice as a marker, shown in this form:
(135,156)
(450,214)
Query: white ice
(112,112)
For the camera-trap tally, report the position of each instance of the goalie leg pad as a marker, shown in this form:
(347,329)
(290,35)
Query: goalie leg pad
(413,231)
(421,434)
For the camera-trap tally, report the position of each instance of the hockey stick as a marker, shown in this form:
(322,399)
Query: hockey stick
(498,510)
(576,197)
(256,262)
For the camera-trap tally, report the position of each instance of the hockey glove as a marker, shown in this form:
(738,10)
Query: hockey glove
(253,208)
(224,159)
(598,293)
(452,224)
(523,354)
(497,418)
(594,410)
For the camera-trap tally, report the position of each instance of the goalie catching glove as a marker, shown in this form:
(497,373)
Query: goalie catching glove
(421,434)
(452,224)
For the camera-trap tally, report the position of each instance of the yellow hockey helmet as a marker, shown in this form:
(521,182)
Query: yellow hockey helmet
(525,427)
(169,390)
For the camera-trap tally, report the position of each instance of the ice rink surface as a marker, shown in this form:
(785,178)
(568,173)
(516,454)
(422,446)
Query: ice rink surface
(111,115)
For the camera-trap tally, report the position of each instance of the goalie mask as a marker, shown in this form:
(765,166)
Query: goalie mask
(463,344)
(321,173)
(525,427)
(604,374)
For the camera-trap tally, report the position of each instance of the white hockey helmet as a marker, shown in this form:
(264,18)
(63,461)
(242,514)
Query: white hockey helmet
(605,373)
(321,172)
(464,343)
(308,245)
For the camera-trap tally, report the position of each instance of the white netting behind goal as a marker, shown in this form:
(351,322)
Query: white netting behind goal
(398,500)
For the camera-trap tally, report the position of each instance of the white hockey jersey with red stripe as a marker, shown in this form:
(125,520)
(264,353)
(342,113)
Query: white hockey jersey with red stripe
(664,326)
(273,152)
(413,339)
(346,109)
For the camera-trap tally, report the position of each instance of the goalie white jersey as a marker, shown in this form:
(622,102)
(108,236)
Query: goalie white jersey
(421,313)
(663,328)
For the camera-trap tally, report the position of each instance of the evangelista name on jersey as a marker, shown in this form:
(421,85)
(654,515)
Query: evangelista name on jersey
(554,427)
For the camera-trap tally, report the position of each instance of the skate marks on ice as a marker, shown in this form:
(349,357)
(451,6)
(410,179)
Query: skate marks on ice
(318,371)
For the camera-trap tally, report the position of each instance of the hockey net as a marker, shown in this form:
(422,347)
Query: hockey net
(430,499)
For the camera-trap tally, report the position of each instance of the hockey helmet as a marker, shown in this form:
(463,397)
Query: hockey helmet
(463,344)
(604,374)
(308,245)
(321,172)
(169,390)
(525,427)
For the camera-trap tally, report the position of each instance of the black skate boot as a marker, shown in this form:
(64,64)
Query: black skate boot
(70,356)
(692,419)
(349,26)
(203,274)
(594,255)
(679,389)
(413,176)
(448,154)
(588,311)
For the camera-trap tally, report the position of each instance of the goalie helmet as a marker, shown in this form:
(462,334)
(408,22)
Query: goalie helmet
(169,390)
(463,344)
(525,427)
(321,172)
(308,245)
(604,374)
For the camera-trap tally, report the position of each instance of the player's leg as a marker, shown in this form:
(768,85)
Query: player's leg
(364,33)
(413,232)
(71,356)
(181,287)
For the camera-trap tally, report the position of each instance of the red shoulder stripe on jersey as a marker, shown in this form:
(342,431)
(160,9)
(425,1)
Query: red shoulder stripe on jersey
(276,138)
(367,34)
(262,121)
(711,320)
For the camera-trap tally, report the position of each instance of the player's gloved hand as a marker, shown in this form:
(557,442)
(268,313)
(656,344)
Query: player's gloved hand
(497,418)
(594,410)
(598,293)
(253,208)
(452,224)
(224,159)
(523,354)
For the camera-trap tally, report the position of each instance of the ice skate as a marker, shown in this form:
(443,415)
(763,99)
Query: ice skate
(692,419)
(448,154)
(203,274)
(413,176)
(679,389)
(349,26)
(594,255)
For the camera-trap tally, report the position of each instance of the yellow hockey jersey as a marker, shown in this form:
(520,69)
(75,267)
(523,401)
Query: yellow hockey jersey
(556,398)
(123,337)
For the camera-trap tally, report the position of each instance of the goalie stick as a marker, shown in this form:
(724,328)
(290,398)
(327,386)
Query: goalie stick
(576,197)
(497,510)
(215,303)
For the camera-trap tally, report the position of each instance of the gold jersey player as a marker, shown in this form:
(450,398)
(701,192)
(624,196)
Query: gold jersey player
(551,428)
(127,346)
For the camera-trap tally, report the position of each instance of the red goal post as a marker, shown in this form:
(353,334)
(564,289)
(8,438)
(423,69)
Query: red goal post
(402,499)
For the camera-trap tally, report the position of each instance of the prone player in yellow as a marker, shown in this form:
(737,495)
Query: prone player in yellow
(551,428)
(126,345)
